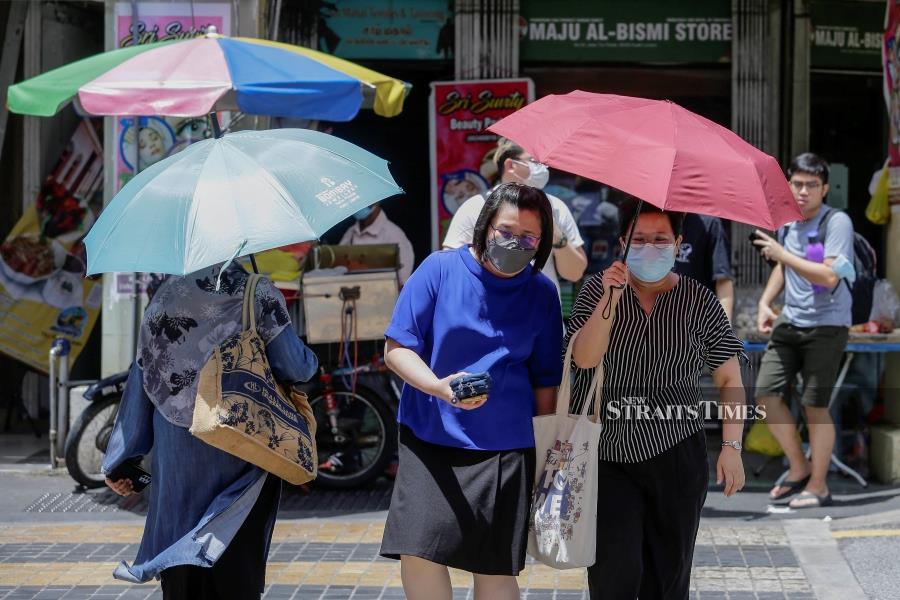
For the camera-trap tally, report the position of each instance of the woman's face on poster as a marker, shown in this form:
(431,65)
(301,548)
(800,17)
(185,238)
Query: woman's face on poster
(152,147)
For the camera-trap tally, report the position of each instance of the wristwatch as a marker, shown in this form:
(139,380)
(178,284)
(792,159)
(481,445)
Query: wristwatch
(734,444)
(563,241)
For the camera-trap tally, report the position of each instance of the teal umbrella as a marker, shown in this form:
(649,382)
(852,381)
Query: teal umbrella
(231,196)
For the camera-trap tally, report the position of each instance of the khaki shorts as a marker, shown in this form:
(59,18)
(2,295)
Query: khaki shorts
(813,352)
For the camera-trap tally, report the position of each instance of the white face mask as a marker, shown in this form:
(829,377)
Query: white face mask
(538,174)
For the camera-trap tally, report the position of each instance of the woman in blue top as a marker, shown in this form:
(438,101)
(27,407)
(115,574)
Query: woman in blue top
(466,471)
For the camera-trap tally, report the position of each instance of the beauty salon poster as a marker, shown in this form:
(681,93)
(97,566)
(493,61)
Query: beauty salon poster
(459,114)
(161,136)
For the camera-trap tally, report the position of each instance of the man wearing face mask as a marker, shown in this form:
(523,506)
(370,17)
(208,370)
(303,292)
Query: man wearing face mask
(514,165)
(654,332)
(373,227)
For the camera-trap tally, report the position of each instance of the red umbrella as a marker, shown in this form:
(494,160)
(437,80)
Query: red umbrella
(657,151)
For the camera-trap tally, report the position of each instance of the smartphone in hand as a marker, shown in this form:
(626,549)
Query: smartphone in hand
(755,236)
(131,470)
(470,389)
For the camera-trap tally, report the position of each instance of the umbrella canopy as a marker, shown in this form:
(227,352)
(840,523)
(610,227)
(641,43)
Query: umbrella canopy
(242,193)
(657,151)
(197,76)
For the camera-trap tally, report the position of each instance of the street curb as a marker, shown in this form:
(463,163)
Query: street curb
(888,516)
(829,575)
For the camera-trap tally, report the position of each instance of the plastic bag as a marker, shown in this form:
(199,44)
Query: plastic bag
(761,441)
(885,305)
(879,209)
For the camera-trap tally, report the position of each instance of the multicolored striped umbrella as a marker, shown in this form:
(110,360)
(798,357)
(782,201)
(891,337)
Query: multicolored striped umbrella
(212,73)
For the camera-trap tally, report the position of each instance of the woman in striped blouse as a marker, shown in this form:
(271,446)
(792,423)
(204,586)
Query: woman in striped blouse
(654,331)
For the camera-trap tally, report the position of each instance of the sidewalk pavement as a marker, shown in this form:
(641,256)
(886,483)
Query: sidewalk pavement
(58,544)
(327,558)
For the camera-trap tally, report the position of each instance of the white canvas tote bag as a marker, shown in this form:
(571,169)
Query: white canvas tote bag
(563,522)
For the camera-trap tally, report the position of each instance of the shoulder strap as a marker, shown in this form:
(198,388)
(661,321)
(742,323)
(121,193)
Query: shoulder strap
(823,223)
(248,312)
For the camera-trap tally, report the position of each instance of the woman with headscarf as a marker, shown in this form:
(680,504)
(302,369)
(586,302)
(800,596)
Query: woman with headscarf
(211,514)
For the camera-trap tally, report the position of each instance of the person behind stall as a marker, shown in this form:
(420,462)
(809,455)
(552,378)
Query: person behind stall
(705,255)
(513,164)
(809,336)
(373,227)
(211,514)
(466,474)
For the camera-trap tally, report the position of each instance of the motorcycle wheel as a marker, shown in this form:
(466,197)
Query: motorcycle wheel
(87,441)
(370,431)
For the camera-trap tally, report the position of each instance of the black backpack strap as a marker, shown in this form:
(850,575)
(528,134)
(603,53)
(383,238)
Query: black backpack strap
(823,223)
(782,232)
(822,229)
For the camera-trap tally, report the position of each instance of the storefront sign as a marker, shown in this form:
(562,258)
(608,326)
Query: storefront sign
(161,136)
(400,29)
(460,113)
(43,292)
(846,34)
(626,31)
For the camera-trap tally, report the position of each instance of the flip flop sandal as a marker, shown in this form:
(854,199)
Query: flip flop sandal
(792,488)
(810,500)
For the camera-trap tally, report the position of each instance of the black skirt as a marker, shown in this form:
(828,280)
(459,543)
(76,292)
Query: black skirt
(466,509)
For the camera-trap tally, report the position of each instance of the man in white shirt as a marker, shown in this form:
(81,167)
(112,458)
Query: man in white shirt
(373,227)
(568,259)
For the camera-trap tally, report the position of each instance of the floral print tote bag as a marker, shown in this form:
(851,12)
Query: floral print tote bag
(241,409)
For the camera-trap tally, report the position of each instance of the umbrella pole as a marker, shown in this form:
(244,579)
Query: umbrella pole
(607,310)
(253,262)
(137,314)
(217,129)
(631,228)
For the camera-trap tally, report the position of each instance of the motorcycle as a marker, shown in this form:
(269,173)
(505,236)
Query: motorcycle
(356,428)
(89,436)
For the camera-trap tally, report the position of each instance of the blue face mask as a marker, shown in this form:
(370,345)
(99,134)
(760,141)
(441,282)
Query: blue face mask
(649,263)
(363,213)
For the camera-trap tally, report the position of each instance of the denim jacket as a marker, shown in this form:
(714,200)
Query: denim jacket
(200,495)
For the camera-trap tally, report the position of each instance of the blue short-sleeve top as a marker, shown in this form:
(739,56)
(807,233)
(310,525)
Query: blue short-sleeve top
(458,316)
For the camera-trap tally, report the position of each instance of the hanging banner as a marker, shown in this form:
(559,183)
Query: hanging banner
(890,57)
(656,31)
(400,29)
(43,292)
(160,136)
(459,114)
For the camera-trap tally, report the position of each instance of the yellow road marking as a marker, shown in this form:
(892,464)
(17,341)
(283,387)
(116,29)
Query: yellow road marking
(359,532)
(387,574)
(865,533)
(355,573)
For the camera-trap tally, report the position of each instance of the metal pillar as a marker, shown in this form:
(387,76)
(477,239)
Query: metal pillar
(59,398)
(9,60)
(755,114)
(800,78)
(487,39)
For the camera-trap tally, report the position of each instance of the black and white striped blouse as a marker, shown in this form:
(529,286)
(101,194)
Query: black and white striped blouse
(651,387)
